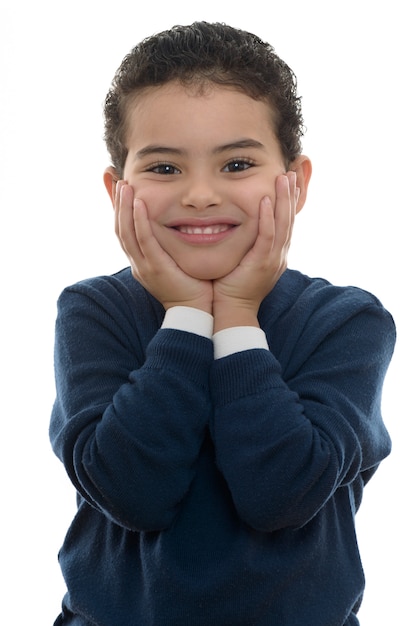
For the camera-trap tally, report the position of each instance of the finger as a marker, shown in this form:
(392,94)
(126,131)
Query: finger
(142,226)
(260,251)
(266,226)
(147,242)
(116,204)
(126,227)
(294,191)
(285,208)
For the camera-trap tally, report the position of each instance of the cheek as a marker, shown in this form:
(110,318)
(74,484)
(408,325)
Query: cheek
(155,200)
(250,195)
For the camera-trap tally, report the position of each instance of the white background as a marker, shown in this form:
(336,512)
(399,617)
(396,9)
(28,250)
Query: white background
(356,65)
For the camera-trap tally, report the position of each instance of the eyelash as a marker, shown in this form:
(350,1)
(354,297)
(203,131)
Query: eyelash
(157,167)
(167,169)
(239,162)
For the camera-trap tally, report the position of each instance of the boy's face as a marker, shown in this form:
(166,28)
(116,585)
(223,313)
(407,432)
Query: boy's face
(202,163)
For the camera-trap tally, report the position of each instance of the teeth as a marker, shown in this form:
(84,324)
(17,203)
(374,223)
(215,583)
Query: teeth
(206,230)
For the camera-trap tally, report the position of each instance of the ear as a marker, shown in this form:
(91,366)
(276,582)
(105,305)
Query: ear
(303,168)
(110,178)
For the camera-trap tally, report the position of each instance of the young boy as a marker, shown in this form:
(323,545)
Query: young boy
(218,413)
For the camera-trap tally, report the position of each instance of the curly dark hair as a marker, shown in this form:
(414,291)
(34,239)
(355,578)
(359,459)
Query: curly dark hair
(198,55)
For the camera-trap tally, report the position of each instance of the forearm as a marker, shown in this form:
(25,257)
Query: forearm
(280,457)
(128,427)
(286,441)
(150,436)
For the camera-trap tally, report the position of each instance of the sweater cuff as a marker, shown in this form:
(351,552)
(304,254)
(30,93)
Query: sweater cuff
(190,320)
(237,339)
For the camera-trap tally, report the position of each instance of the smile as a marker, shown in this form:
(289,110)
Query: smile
(203,233)
(213,229)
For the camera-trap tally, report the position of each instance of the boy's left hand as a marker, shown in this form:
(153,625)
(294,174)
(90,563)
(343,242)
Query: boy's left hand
(238,295)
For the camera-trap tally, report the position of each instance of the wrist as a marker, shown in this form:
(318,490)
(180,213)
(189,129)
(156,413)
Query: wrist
(229,315)
(200,305)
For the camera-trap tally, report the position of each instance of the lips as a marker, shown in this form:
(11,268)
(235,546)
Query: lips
(213,229)
(206,231)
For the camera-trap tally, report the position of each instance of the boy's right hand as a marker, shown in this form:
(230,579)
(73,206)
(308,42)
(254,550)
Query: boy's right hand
(151,265)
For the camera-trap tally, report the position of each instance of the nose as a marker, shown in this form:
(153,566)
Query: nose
(200,192)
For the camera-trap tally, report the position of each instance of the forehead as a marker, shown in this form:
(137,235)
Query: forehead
(175,110)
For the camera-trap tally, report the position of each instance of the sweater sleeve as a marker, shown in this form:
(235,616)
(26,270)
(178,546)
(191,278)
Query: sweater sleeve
(286,441)
(128,426)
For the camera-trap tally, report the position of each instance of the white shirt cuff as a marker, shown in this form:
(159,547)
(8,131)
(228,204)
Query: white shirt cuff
(190,320)
(238,339)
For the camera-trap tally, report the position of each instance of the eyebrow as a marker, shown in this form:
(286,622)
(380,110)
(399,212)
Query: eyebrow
(155,149)
(242,143)
(233,145)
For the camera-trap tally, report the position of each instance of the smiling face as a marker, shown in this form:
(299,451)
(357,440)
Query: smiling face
(202,162)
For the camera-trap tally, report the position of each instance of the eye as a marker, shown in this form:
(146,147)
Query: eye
(166,169)
(238,165)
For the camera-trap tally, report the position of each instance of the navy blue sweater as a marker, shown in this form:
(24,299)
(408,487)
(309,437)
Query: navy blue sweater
(217,492)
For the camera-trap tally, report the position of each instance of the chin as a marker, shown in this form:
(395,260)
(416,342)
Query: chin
(207,272)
